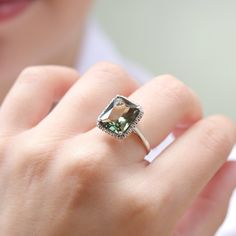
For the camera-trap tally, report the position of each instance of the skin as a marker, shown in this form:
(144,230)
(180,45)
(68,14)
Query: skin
(37,37)
(60,175)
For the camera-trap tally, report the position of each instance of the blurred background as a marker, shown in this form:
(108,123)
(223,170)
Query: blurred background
(193,40)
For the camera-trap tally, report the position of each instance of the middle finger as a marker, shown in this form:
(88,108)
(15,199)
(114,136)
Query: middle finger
(78,110)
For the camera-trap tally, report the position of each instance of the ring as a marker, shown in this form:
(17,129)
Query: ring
(120,118)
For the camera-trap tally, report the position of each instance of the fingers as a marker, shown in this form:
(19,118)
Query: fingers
(33,95)
(193,159)
(166,103)
(79,109)
(209,209)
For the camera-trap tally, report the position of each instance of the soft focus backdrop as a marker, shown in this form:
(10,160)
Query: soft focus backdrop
(193,40)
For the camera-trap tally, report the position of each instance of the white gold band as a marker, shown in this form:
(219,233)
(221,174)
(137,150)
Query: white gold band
(143,139)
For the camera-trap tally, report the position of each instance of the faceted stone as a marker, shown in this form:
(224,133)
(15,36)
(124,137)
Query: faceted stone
(119,117)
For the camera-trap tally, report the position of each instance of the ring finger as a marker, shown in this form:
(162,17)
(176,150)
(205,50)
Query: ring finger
(167,103)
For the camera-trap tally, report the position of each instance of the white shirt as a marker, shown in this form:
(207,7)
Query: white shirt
(97,47)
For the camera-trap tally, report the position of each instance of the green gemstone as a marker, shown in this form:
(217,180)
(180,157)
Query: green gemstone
(119,116)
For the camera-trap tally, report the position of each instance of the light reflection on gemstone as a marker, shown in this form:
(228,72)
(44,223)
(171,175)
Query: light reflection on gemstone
(119,117)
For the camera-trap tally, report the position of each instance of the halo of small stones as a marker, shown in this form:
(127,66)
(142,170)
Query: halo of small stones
(128,131)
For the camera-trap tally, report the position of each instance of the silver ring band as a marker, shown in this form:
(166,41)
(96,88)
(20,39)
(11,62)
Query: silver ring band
(143,139)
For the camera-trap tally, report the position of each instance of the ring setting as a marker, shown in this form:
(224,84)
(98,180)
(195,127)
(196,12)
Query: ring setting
(120,118)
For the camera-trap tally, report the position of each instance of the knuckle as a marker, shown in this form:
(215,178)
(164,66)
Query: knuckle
(219,134)
(136,200)
(30,73)
(175,90)
(138,205)
(107,67)
(167,77)
(110,73)
(165,198)
(85,170)
(86,166)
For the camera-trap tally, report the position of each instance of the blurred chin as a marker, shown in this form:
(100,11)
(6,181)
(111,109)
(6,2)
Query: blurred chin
(10,9)
(36,34)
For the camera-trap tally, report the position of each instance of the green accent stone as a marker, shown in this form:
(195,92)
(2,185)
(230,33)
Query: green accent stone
(119,116)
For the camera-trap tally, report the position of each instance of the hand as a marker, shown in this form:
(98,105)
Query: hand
(60,175)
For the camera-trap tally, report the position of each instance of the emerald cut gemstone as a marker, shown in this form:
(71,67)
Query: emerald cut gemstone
(120,117)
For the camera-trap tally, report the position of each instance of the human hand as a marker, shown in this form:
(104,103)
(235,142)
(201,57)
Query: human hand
(60,175)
